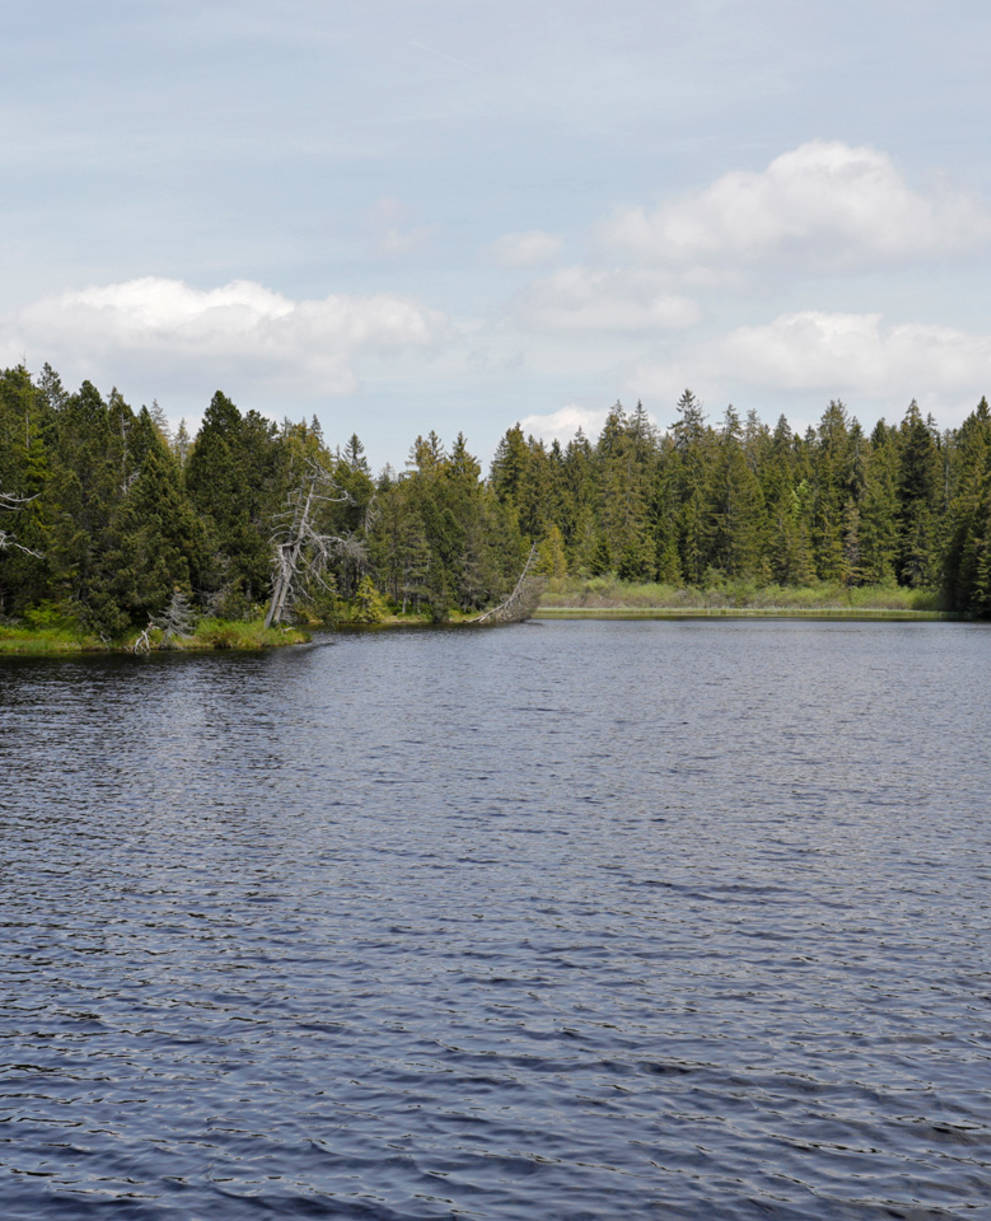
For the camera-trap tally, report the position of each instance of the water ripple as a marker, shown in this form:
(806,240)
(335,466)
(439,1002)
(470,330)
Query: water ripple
(567,920)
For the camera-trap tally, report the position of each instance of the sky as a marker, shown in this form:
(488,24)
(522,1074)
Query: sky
(453,215)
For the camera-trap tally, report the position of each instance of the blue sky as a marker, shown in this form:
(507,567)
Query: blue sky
(456,215)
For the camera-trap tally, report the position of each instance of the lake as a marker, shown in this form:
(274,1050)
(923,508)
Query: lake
(679,919)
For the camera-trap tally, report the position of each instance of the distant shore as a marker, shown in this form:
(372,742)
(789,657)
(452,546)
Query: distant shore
(208,636)
(608,598)
(729,612)
(563,598)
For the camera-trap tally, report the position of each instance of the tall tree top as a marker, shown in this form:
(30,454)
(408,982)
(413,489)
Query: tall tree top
(690,427)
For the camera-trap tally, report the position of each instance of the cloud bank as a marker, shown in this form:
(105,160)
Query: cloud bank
(811,350)
(817,356)
(824,202)
(241,324)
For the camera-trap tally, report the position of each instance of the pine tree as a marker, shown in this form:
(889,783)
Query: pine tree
(737,505)
(624,458)
(919,524)
(398,546)
(235,479)
(787,553)
(160,542)
(966,582)
(879,508)
(693,456)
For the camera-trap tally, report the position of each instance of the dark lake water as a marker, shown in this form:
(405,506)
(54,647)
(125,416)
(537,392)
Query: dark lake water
(561,920)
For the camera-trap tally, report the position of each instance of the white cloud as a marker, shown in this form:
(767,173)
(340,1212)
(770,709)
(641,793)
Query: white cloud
(824,203)
(525,249)
(166,323)
(806,350)
(817,356)
(561,425)
(583,299)
(857,352)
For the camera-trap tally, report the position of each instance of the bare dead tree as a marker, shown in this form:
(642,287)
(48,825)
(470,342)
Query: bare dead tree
(177,619)
(143,642)
(301,552)
(175,623)
(12,504)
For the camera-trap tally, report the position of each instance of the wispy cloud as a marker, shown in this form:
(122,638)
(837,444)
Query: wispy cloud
(393,231)
(586,299)
(525,249)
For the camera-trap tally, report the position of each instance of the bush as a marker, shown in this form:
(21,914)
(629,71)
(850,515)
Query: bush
(368,605)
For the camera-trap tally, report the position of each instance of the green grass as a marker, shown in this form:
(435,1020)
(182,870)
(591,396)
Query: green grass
(609,597)
(569,597)
(233,634)
(208,634)
(17,639)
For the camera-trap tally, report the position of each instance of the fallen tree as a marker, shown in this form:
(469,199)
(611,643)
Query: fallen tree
(522,602)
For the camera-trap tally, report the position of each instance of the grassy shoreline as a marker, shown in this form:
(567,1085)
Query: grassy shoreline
(730,612)
(209,635)
(563,598)
(608,598)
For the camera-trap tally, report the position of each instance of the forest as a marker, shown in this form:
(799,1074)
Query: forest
(111,521)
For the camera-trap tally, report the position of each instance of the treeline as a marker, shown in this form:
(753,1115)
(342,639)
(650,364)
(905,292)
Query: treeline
(107,518)
(697,503)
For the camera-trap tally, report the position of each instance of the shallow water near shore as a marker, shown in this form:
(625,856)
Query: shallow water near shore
(563,919)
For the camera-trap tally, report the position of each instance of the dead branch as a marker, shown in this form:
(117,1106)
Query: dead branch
(143,642)
(12,504)
(300,552)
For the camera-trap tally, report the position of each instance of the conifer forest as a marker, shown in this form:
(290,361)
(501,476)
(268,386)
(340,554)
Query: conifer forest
(111,520)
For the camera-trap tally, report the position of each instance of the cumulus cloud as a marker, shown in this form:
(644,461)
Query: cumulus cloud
(824,202)
(824,355)
(525,249)
(584,299)
(561,425)
(820,350)
(240,325)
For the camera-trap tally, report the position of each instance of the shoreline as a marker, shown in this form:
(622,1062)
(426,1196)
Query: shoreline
(215,636)
(212,635)
(740,612)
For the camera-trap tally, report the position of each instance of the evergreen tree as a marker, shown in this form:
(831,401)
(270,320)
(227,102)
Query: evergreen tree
(919,516)
(577,495)
(235,479)
(787,554)
(693,456)
(398,546)
(830,491)
(879,508)
(624,457)
(160,544)
(737,505)
(966,575)
(508,467)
